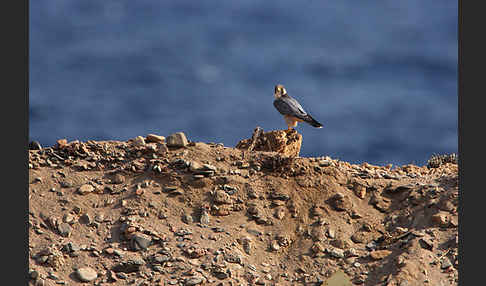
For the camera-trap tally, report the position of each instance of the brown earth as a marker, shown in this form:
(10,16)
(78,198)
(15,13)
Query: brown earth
(144,213)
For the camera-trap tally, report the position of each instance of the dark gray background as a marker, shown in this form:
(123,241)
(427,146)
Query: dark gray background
(380,75)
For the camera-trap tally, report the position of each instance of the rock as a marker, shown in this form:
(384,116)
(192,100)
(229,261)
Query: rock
(336,252)
(86,274)
(187,218)
(140,241)
(286,142)
(340,202)
(221,197)
(68,218)
(61,143)
(274,246)
(138,141)
(359,191)
(380,254)
(193,281)
(86,219)
(361,237)
(426,243)
(85,189)
(380,203)
(130,265)
(279,212)
(339,243)
(331,233)
(317,247)
(177,140)
(445,263)
(155,138)
(232,258)
(204,219)
(247,244)
(441,219)
(173,190)
(34,145)
(162,149)
(64,229)
(195,252)
(33,274)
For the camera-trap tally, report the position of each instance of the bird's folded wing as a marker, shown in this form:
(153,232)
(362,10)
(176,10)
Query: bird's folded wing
(289,106)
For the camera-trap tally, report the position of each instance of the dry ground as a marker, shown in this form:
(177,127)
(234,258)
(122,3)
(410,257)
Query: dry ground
(138,213)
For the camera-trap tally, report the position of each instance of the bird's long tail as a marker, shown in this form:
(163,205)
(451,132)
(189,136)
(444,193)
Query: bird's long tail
(312,121)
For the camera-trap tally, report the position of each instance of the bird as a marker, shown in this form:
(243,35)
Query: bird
(291,109)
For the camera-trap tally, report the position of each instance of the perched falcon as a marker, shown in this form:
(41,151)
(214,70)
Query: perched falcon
(291,109)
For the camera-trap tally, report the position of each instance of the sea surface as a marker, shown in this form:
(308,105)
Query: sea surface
(381,76)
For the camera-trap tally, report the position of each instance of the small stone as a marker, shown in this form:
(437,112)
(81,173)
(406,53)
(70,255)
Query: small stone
(279,213)
(85,189)
(274,246)
(193,281)
(340,202)
(441,219)
(426,243)
(130,265)
(33,274)
(68,218)
(155,138)
(86,274)
(187,218)
(140,241)
(139,141)
(86,219)
(359,190)
(336,252)
(204,219)
(380,254)
(247,243)
(64,229)
(34,145)
(177,140)
(221,197)
(173,190)
(331,233)
(61,143)
(445,263)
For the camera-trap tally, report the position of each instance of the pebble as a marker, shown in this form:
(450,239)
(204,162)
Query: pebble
(140,241)
(177,140)
(33,274)
(336,252)
(193,281)
(445,263)
(68,218)
(187,218)
(139,141)
(85,189)
(440,219)
(86,274)
(64,229)
(155,138)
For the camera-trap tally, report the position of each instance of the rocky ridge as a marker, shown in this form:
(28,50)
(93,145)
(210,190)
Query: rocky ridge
(168,211)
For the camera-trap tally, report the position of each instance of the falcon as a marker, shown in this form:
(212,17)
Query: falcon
(291,109)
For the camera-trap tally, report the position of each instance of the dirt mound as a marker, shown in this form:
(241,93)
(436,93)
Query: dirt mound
(144,213)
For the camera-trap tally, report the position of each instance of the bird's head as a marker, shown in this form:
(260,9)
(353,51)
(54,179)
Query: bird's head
(279,91)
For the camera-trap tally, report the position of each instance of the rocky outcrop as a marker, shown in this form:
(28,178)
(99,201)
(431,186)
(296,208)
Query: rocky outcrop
(286,142)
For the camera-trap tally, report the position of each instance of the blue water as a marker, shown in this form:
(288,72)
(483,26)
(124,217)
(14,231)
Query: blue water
(380,75)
